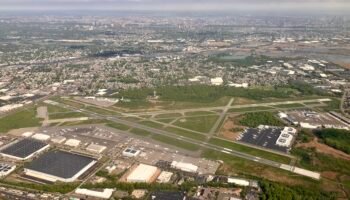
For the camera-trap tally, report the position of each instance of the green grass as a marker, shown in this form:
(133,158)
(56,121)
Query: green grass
(55,109)
(71,103)
(336,138)
(200,124)
(292,105)
(132,119)
(21,119)
(168,115)
(118,126)
(151,124)
(165,120)
(249,150)
(333,105)
(90,121)
(255,119)
(248,109)
(312,103)
(66,115)
(185,133)
(312,160)
(140,132)
(175,142)
(100,111)
(199,113)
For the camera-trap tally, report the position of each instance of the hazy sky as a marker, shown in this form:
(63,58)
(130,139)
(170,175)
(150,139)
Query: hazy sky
(177,5)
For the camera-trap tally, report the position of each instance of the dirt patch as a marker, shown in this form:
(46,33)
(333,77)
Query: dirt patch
(230,129)
(345,65)
(322,148)
(330,175)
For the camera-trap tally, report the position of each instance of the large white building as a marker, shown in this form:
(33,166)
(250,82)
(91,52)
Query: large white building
(142,174)
(186,167)
(217,81)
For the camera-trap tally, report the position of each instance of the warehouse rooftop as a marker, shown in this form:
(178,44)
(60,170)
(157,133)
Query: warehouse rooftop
(61,164)
(23,149)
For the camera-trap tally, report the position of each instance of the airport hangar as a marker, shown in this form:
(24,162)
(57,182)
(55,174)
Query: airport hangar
(23,149)
(59,166)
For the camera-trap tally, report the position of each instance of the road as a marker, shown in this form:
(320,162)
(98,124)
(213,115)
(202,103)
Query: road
(203,144)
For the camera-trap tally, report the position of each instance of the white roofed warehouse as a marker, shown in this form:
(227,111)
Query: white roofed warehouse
(143,174)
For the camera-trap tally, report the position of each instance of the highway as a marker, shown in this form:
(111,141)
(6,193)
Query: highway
(188,140)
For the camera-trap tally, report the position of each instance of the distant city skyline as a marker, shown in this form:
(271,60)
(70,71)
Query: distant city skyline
(177,5)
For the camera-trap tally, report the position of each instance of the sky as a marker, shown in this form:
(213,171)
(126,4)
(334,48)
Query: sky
(177,5)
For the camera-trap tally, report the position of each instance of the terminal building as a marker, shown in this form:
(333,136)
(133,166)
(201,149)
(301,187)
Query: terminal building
(59,166)
(23,149)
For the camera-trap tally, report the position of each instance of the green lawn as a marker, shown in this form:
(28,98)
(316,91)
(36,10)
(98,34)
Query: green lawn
(199,113)
(200,124)
(55,109)
(100,110)
(247,109)
(90,121)
(185,133)
(167,120)
(66,115)
(21,119)
(118,126)
(168,115)
(175,142)
(71,103)
(140,132)
(151,124)
(255,119)
(292,105)
(249,150)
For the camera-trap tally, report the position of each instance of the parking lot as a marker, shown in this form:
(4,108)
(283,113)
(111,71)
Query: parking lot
(265,138)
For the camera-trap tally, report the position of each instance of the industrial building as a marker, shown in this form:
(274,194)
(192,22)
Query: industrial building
(23,149)
(72,142)
(312,120)
(59,166)
(95,148)
(105,194)
(58,139)
(143,174)
(41,136)
(131,152)
(186,167)
(6,169)
(168,196)
(164,177)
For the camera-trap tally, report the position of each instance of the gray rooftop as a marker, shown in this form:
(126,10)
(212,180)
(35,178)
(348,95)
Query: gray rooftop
(60,163)
(23,148)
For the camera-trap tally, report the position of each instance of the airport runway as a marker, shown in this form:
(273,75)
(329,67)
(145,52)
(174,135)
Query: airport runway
(192,141)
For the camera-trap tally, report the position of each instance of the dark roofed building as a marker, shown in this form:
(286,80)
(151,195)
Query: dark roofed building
(168,196)
(59,166)
(23,149)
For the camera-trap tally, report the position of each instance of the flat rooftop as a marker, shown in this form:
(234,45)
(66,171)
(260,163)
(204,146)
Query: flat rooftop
(23,148)
(60,164)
